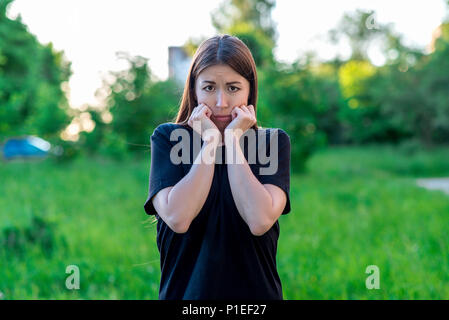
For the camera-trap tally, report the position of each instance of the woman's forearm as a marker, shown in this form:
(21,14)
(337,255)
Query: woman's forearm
(251,198)
(187,197)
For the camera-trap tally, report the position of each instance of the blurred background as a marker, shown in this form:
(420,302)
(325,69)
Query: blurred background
(361,87)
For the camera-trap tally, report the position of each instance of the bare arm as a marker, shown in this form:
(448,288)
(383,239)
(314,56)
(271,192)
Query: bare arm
(180,204)
(259,205)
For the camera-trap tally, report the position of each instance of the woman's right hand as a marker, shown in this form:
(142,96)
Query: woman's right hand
(207,129)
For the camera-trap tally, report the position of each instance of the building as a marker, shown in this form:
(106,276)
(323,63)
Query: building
(178,64)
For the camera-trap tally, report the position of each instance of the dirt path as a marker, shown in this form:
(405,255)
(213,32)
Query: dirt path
(435,184)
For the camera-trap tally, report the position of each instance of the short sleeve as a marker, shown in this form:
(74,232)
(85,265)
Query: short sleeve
(163,172)
(281,176)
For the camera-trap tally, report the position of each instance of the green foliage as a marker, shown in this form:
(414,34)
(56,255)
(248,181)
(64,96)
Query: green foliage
(255,13)
(70,150)
(250,21)
(138,104)
(410,95)
(192,44)
(352,75)
(113,145)
(405,99)
(91,141)
(434,88)
(286,102)
(324,91)
(31,74)
(358,113)
(359,29)
(260,45)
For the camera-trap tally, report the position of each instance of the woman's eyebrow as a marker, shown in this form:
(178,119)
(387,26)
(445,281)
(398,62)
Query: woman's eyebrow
(232,82)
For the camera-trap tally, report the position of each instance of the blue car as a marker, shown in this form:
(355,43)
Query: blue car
(28,147)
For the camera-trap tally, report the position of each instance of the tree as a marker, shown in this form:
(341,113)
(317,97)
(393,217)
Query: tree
(287,100)
(256,13)
(359,29)
(250,21)
(422,93)
(137,103)
(31,75)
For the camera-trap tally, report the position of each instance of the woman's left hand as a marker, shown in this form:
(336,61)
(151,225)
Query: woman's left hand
(243,118)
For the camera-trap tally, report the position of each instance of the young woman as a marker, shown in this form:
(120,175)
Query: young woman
(217,213)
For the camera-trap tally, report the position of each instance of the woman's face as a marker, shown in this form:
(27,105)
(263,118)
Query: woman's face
(221,89)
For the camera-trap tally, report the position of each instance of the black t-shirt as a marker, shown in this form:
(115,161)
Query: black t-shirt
(218,257)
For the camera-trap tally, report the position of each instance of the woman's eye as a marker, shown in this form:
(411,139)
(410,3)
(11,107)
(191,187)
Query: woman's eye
(232,88)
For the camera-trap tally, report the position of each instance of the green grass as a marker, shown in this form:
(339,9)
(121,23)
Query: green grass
(360,207)
(353,208)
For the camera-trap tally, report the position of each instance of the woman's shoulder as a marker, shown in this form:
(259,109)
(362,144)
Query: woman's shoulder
(166,128)
(270,129)
(271,132)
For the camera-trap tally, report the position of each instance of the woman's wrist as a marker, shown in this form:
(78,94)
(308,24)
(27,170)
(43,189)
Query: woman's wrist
(213,140)
(209,150)
(231,137)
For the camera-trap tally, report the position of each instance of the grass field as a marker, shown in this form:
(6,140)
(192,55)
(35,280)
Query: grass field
(353,208)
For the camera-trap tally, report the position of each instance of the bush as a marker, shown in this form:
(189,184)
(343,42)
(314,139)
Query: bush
(113,145)
(40,233)
(284,103)
(65,151)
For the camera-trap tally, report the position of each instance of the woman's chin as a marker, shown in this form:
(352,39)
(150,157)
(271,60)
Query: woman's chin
(221,125)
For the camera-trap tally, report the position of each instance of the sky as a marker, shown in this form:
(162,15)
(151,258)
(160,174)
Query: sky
(91,32)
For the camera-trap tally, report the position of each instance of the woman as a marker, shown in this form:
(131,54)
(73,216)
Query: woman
(217,227)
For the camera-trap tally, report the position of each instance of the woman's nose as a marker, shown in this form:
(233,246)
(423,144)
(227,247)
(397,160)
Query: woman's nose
(221,99)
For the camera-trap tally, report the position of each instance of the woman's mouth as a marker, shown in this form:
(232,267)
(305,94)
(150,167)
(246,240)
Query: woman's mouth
(223,118)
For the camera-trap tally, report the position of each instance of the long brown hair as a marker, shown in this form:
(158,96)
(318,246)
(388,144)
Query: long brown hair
(220,49)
